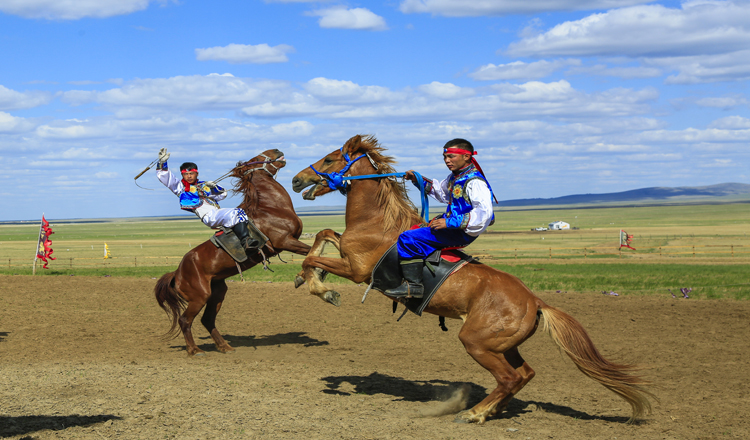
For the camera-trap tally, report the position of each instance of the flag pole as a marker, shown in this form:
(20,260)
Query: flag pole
(38,242)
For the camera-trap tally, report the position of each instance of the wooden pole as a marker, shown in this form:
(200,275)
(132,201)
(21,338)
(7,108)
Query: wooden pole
(38,242)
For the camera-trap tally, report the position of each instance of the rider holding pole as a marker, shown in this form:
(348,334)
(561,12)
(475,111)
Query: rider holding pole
(202,197)
(469,213)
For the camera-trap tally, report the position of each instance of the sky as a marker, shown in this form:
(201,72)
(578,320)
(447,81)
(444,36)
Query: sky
(558,97)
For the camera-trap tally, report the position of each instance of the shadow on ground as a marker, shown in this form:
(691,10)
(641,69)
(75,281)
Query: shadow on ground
(21,425)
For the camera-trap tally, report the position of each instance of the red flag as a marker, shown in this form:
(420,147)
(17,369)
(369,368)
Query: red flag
(44,252)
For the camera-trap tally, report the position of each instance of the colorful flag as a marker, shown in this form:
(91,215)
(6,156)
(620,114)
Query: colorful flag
(44,251)
(106,251)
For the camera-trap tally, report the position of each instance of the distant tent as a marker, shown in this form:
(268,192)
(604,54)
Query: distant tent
(558,226)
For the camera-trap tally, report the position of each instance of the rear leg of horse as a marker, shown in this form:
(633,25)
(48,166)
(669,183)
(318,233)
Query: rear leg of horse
(197,295)
(218,291)
(493,344)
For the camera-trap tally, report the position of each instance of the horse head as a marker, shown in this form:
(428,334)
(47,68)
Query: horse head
(270,161)
(325,175)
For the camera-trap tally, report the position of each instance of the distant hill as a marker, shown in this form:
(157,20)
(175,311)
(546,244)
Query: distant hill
(723,192)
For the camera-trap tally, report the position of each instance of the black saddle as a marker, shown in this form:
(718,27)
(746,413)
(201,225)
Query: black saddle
(387,275)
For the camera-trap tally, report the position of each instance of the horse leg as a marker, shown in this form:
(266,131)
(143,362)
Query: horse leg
(493,344)
(196,292)
(527,373)
(218,291)
(186,324)
(322,239)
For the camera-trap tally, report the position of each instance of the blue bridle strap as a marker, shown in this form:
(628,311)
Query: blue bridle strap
(337,181)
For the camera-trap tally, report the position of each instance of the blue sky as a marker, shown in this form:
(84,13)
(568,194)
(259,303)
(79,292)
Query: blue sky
(558,96)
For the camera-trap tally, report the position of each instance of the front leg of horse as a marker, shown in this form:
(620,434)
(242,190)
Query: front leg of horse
(314,267)
(322,239)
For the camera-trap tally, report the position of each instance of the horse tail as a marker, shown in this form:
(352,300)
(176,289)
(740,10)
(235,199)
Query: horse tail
(170,301)
(571,337)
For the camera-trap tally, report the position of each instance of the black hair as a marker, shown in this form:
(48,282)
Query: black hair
(188,166)
(459,143)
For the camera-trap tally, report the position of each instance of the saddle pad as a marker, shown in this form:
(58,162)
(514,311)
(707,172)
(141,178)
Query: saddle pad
(227,240)
(387,274)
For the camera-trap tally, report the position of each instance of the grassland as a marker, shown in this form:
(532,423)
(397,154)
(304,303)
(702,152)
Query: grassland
(704,247)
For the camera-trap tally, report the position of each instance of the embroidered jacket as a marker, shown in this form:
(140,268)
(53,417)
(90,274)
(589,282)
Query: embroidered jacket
(469,200)
(191,196)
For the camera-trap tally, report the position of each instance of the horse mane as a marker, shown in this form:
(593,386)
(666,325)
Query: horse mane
(246,187)
(399,213)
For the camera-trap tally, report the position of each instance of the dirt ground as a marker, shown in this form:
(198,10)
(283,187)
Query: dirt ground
(82,358)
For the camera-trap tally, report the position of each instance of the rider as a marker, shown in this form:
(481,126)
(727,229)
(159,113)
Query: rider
(469,213)
(201,198)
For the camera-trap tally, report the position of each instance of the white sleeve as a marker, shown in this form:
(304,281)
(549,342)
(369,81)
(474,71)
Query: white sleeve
(218,197)
(440,191)
(480,215)
(170,181)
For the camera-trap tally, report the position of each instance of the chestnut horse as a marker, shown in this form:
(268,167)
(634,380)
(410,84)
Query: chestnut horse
(498,311)
(199,279)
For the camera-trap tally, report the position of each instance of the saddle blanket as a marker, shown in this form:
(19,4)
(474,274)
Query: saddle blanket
(387,274)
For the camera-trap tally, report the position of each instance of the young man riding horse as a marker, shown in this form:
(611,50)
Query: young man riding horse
(201,198)
(469,213)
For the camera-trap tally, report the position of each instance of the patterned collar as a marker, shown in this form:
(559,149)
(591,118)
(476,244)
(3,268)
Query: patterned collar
(463,172)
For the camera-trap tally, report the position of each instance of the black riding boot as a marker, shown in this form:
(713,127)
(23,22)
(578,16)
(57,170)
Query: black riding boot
(412,286)
(243,233)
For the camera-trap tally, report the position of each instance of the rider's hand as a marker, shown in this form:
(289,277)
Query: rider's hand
(409,175)
(163,155)
(438,223)
(211,184)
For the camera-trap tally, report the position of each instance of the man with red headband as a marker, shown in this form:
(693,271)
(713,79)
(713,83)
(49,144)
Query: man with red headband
(469,213)
(202,199)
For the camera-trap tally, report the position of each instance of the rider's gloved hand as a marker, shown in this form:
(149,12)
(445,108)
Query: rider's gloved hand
(163,156)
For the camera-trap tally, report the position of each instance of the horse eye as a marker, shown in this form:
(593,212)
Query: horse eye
(327,161)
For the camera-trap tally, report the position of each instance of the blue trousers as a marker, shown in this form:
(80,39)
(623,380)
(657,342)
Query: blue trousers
(421,242)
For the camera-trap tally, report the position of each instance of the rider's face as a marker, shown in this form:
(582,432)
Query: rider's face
(455,162)
(190,177)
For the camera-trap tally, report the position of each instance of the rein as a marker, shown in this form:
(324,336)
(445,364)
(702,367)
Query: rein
(264,162)
(337,180)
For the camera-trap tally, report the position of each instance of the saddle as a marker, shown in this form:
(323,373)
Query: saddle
(438,266)
(226,239)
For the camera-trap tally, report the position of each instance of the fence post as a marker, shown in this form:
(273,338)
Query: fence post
(693,251)
(584,253)
(659,251)
(515,254)
(71,262)
(135,261)
(733,250)
(550,253)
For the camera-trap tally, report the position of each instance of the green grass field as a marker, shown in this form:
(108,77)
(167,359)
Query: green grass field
(704,247)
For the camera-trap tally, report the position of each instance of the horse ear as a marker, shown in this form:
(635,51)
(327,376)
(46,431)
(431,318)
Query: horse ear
(353,143)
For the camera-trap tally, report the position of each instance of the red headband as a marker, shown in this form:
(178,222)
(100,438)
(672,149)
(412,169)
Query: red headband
(189,171)
(459,151)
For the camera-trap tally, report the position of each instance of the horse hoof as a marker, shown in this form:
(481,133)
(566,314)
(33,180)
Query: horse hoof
(467,417)
(298,281)
(332,297)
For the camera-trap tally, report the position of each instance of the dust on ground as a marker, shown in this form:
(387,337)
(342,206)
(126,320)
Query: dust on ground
(83,358)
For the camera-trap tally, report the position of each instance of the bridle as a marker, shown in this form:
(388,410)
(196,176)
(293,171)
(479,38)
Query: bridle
(265,163)
(337,181)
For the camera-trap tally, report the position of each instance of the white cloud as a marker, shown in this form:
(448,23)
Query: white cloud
(446,91)
(13,100)
(14,124)
(105,175)
(356,18)
(731,123)
(724,102)
(464,8)
(520,70)
(698,28)
(245,54)
(733,66)
(72,10)
(625,72)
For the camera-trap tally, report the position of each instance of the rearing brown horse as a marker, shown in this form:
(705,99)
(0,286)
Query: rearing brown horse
(498,311)
(199,279)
